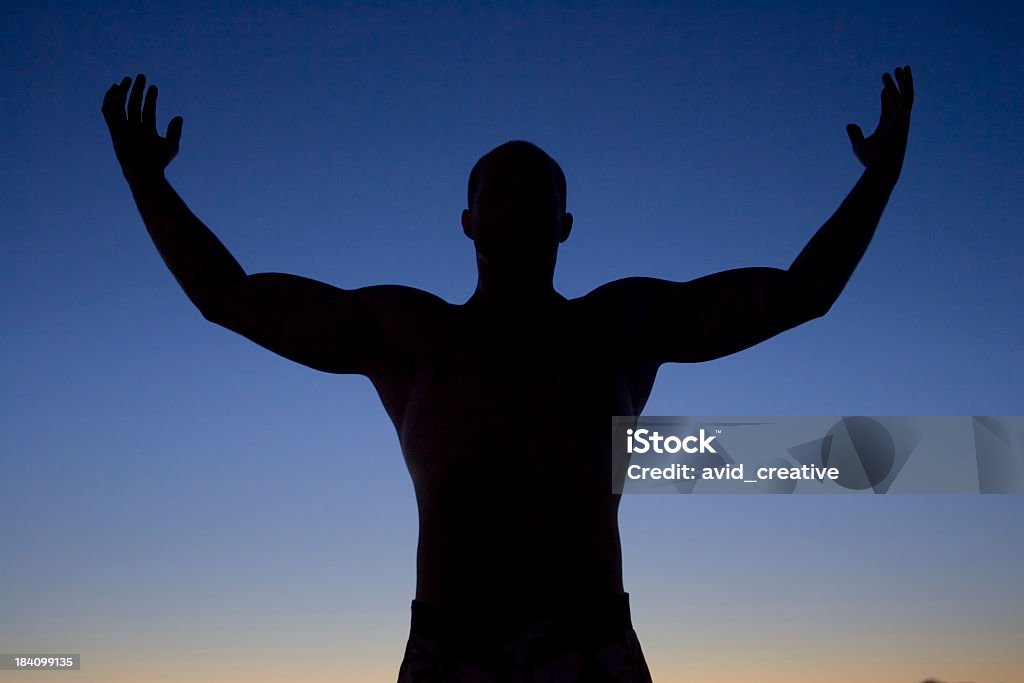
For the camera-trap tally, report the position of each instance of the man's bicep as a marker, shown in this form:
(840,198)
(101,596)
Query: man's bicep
(310,322)
(715,315)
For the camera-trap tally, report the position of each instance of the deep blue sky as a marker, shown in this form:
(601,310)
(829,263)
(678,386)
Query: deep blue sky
(165,481)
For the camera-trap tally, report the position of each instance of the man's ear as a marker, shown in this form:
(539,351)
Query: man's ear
(566,227)
(467,223)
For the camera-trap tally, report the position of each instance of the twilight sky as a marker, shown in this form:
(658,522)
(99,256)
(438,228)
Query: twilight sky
(178,504)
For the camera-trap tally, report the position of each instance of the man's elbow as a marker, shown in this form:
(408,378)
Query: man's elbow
(211,314)
(803,309)
(214,309)
(818,308)
(220,304)
(811,299)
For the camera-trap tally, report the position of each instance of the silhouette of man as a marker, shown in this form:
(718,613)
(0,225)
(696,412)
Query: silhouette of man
(502,404)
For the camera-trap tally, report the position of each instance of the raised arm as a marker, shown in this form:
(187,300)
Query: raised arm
(202,265)
(829,259)
(323,327)
(721,314)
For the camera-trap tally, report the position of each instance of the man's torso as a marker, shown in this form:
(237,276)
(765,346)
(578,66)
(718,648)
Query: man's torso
(504,423)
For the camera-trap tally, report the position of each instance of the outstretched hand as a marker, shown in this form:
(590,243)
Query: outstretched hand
(886,146)
(140,149)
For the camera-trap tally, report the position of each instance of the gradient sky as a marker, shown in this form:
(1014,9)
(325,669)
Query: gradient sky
(178,504)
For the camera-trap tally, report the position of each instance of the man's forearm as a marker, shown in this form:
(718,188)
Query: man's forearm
(829,259)
(199,262)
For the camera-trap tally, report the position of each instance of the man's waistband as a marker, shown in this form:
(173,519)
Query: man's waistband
(595,622)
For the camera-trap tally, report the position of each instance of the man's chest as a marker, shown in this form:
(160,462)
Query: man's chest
(524,378)
(551,363)
(551,387)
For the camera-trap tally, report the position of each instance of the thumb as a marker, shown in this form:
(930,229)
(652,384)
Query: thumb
(174,131)
(855,133)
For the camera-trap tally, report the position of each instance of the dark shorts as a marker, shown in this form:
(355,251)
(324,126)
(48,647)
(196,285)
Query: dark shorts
(591,646)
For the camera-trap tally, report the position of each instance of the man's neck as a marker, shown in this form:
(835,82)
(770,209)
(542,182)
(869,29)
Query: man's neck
(521,291)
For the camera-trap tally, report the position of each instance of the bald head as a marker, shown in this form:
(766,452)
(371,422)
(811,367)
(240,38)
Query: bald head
(518,154)
(516,213)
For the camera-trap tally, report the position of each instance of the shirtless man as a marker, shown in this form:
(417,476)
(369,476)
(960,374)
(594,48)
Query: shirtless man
(502,404)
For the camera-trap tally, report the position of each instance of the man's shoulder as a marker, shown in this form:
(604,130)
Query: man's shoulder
(401,296)
(626,293)
(410,319)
